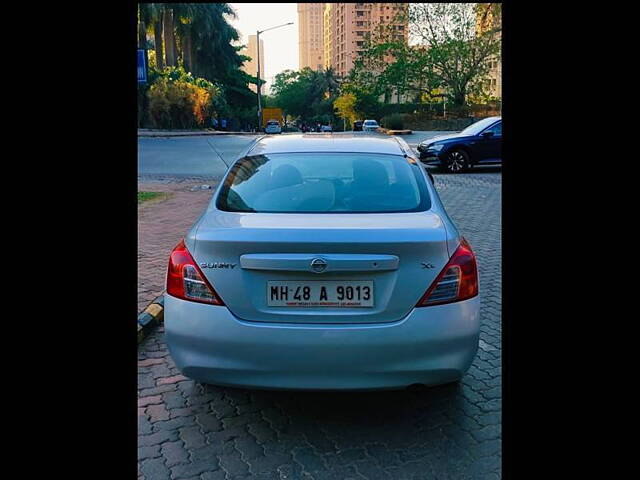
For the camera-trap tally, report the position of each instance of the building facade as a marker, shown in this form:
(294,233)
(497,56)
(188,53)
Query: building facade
(346,26)
(251,66)
(310,35)
(488,19)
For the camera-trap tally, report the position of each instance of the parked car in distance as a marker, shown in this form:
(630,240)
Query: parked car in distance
(326,128)
(273,126)
(370,126)
(478,144)
(323,262)
(357,126)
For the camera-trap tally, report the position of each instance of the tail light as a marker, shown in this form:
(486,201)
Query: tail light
(186,281)
(457,281)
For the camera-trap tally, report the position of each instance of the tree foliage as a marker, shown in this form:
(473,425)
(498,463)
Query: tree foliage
(345,106)
(451,58)
(198,37)
(307,93)
(179,100)
(458,52)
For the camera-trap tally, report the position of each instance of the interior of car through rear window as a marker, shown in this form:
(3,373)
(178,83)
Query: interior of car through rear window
(324,183)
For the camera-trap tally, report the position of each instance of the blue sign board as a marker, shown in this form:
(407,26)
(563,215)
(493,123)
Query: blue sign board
(142,65)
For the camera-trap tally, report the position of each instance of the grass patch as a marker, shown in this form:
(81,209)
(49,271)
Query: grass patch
(151,196)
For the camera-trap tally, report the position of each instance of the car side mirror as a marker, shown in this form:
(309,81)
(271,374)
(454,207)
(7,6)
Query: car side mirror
(487,134)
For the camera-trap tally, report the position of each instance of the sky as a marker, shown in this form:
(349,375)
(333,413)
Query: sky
(280,44)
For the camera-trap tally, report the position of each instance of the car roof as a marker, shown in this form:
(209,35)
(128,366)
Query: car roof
(327,142)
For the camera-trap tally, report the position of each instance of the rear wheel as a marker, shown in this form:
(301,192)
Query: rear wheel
(457,161)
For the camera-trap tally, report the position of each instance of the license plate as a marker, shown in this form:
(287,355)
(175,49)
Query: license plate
(317,293)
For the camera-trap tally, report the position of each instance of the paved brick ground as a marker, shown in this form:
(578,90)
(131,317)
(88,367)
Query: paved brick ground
(190,431)
(161,225)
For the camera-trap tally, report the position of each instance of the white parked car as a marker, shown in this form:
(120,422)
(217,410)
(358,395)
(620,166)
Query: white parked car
(323,262)
(273,126)
(370,126)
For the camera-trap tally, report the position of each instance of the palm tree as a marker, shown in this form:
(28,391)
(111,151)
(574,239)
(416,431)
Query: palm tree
(156,19)
(331,82)
(214,57)
(169,35)
(189,18)
(143,23)
(150,21)
(185,13)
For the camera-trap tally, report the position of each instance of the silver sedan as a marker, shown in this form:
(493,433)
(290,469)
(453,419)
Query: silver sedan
(323,262)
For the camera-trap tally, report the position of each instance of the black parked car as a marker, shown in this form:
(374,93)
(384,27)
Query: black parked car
(357,126)
(478,144)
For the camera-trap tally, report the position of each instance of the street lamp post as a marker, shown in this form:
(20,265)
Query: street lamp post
(258,75)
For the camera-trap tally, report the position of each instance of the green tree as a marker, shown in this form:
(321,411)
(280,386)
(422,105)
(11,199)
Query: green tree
(143,23)
(345,106)
(306,93)
(289,91)
(150,21)
(168,33)
(456,51)
(199,37)
(389,66)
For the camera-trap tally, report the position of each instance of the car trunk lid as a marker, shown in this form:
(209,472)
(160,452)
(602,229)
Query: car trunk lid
(398,254)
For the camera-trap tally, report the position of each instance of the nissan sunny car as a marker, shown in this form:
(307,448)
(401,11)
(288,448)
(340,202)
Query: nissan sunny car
(323,263)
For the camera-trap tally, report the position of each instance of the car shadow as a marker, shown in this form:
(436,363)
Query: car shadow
(432,431)
(421,408)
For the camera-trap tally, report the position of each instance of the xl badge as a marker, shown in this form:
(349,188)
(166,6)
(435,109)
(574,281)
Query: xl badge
(427,265)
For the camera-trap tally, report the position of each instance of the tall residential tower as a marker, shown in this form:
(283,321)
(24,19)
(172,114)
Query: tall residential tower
(346,26)
(310,20)
(488,18)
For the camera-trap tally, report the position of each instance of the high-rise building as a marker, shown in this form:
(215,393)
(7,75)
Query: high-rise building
(251,66)
(346,26)
(487,19)
(310,36)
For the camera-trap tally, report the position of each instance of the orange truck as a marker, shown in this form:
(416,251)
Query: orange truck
(271,114)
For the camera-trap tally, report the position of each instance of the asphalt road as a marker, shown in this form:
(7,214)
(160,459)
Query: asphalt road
(188,156)
(196,156)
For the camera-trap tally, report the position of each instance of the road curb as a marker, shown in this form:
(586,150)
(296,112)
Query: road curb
(150,318)
(399,132)
(191,134)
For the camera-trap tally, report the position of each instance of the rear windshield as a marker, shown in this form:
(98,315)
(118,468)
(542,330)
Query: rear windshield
(324,183)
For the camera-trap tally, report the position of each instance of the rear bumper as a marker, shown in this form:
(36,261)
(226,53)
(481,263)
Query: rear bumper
(432,345)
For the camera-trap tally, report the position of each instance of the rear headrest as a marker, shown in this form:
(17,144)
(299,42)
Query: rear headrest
(369,174)
(285,176)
